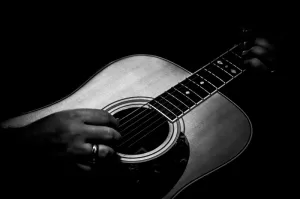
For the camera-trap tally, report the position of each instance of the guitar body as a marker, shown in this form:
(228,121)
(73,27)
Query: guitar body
(217,131)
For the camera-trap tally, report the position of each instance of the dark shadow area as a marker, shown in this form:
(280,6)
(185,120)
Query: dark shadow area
(45,61)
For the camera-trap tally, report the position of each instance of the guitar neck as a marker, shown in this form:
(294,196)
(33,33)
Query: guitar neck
(202,84)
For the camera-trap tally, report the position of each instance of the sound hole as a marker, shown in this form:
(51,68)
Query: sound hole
(142,130)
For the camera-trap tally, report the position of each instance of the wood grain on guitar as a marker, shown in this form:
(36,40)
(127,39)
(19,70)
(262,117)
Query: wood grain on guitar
(215,131)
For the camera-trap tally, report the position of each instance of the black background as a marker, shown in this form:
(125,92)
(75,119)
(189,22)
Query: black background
(48,55)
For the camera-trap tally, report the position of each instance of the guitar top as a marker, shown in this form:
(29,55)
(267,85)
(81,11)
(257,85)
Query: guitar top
(176,126)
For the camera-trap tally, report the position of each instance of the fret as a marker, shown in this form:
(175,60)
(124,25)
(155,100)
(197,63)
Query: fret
(214,75)
(210,78)
(197,89)
(235,60)
(202,83)
(180,105)
(238,50)
(183,98)
(160,108)
(228,67)
(228,73)
(169,105)
(219,72)
(190,93)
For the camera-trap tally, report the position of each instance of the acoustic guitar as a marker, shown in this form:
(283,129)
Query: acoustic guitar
(176,126)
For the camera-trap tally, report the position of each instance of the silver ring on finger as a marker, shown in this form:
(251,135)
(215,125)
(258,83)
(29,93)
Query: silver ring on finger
(94,153)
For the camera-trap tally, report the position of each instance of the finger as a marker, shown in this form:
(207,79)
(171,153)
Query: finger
(255,51)
(105,151)
(97,117)
(255,63)
(83,152)
(259,57)
(100,134)
(79,152)
(264,43)
(79,149)
(261,42)
(259,52)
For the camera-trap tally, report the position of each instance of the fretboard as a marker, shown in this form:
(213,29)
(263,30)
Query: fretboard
(189,93)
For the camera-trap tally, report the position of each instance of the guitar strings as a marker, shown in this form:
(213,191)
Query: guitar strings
(162,103)
(147,103)
(130,132)
(131,114)
(150,111)
(144,129)
(147,133)
(141,123)
(158,113)
(146,110)
(161,116)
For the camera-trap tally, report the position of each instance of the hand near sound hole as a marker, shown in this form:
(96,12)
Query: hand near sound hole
(75,136)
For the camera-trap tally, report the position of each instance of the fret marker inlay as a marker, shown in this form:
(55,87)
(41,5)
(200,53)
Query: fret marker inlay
(187,94)
(233,71)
